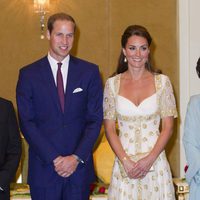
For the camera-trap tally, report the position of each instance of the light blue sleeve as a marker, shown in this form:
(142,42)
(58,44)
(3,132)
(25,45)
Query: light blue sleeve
(191,140)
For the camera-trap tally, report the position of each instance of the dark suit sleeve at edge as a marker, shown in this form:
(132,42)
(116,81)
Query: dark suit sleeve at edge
(13,152)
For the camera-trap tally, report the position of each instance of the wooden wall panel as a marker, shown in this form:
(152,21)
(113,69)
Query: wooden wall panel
(100,26)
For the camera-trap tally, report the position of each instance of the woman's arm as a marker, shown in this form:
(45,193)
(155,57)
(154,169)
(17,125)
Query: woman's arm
(165,134)
(114,141)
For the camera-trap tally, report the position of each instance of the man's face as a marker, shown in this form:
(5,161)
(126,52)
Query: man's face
(61,39)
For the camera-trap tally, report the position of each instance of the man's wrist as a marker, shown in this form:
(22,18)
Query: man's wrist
(78,159)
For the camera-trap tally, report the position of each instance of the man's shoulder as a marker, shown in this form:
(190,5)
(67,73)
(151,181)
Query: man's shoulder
(34,65)
(82,62)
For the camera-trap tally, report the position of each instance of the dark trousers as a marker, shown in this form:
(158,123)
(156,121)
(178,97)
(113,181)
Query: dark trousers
(5,195)
(60,191)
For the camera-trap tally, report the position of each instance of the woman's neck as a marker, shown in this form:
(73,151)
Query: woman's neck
(136,75)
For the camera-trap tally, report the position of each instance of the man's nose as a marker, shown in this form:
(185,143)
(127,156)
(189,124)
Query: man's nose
(65,39)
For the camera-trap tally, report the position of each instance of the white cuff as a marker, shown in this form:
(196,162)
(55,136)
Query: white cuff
(78,159)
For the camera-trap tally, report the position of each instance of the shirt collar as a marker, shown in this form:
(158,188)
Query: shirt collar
(65,61)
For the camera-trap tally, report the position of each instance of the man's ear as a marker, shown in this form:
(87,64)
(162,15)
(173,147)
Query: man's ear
(48,35)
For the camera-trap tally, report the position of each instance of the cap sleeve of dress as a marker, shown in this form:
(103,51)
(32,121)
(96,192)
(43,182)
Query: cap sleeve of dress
(167,101)
(109,106)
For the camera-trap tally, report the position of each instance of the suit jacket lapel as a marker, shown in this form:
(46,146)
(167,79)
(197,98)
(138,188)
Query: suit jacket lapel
(47,74)
(71,80)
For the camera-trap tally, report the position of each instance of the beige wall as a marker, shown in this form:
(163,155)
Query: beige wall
(100,26)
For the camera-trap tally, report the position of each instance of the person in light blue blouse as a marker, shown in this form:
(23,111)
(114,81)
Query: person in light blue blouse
(191,140)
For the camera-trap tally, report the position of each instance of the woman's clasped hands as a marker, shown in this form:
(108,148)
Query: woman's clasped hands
(139,169)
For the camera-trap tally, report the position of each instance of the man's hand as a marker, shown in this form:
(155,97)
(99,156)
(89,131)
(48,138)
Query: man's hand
(65,165)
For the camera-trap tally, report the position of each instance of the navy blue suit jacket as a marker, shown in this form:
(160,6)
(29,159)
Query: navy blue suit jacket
(50,132)
(10,144)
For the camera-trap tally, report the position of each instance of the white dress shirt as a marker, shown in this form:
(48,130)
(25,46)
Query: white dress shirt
(64,68)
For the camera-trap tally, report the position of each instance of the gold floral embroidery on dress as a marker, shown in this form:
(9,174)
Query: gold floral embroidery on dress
(151,133)
(139,187)
(109,97)
(137,118)
(145,187)
(138,121)
(144,139)
(131,140)
(161,173)
(158,82)
(125,135)
(167,100)
(156,189)
(109,102)
(131,127)
(121,124)
(117,84)
(144,126)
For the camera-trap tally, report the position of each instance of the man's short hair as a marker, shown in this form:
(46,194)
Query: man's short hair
(59,16)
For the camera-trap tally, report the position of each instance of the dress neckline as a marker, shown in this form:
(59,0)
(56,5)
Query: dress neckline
(119,79)
(142,102)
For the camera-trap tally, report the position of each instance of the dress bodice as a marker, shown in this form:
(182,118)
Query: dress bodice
(138,125)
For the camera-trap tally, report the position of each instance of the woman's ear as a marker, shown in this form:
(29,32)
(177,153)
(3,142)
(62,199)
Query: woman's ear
(124,51)
(48,35)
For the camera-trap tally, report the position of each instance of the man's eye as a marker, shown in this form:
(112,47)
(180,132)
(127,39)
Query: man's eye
(70,35)
(58,34)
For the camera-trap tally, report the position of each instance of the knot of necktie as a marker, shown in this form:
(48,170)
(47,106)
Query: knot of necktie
(59,65)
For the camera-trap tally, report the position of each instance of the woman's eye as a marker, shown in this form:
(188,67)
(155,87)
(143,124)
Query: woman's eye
(132,48)
(144,48)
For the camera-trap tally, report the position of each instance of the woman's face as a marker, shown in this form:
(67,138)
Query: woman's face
(136,51)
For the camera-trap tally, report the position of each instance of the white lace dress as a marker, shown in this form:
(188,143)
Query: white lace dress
(138,133)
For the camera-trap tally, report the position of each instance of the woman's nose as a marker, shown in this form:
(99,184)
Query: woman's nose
(138,52)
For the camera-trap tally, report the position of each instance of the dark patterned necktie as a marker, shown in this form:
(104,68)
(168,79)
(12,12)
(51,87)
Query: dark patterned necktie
(60,86)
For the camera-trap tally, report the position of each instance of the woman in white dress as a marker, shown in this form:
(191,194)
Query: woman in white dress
(138,98)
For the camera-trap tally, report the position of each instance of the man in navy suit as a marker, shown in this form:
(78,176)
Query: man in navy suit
(60,130)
